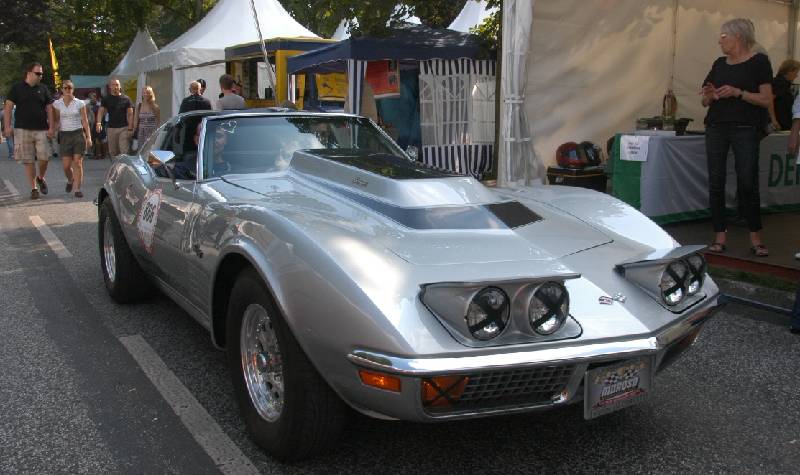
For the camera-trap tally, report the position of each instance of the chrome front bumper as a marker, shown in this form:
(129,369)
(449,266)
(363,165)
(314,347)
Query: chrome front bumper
(663,347)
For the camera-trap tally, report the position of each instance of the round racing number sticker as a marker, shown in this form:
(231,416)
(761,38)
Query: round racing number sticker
(148,215)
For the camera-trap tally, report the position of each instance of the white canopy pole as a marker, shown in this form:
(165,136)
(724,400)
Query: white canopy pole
(270,71)
(517,164)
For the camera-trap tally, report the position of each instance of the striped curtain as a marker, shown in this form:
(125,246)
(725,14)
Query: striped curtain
(457,110)
(356,71)
(453,93)
(465,159)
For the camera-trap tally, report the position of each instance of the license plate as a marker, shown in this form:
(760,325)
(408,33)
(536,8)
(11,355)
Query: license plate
(611,388)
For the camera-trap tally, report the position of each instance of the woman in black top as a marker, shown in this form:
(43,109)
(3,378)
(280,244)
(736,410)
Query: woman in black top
(736,91)
(781,112)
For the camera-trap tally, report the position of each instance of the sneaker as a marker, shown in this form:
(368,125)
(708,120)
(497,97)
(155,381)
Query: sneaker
(79,194)
(34,194)
(69,187)
(42,185)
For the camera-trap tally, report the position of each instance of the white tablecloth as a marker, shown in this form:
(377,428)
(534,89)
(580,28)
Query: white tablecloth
(674,179)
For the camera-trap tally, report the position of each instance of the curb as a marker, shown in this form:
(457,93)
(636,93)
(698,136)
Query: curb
(770,300)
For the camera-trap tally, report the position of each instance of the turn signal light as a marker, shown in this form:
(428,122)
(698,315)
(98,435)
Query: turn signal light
(380,380)
(443,390)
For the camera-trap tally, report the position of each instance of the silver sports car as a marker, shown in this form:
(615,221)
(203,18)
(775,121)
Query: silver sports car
(337,273)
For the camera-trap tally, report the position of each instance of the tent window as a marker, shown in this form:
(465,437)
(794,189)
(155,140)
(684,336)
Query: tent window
(456,102)
(457,114)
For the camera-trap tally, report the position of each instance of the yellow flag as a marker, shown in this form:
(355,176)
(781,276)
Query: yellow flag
(54,62)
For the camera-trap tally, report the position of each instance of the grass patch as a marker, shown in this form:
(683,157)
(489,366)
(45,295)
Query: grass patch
(761,280)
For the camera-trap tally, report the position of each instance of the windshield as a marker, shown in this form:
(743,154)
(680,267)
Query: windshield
(267,144)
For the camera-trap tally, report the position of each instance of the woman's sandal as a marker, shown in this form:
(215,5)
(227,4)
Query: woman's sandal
(717,248)
(760,250)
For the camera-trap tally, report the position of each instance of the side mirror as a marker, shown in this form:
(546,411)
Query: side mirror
(161,156)
(412,152)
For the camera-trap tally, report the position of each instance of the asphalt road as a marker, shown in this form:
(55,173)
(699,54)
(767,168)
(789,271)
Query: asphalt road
(75,399)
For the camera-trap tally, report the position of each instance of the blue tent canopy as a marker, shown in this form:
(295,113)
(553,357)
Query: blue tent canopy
(409,42)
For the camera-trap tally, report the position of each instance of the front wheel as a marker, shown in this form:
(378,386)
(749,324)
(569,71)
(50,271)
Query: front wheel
(125,280)
(289,410)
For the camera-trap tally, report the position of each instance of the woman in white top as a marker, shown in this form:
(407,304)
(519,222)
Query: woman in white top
(74,135)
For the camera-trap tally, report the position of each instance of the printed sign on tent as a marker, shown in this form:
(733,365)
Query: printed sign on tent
(384,77)
(633,148)
(332,86)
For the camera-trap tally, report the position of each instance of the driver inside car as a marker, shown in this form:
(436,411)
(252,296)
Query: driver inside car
(185,169)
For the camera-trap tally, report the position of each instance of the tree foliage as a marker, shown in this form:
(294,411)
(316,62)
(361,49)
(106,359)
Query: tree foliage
(323,16)
(489,30)
(89,36)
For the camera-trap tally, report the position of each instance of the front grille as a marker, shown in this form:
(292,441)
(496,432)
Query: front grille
(497,389)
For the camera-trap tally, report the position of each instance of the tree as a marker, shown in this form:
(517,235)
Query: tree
(323,16)
(489,30)
(436,14)
(22,21)
(89,36)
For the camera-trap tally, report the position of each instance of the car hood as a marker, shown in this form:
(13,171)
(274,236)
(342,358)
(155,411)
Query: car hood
(438,220)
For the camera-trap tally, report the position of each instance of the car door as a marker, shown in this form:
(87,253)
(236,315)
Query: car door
(133,187)
(168,208)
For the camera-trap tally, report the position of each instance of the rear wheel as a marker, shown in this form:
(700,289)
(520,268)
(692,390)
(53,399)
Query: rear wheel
(125,281)
(288,408)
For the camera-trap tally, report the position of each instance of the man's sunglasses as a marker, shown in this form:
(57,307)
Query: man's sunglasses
(38,73)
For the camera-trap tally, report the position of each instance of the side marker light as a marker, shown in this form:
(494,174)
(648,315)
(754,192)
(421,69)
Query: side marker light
(380,380)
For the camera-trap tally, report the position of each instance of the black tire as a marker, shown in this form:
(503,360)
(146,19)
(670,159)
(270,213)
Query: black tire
(312,416)
(130,283)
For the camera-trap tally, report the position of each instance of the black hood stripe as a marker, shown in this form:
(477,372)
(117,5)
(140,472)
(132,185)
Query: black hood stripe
(507,215)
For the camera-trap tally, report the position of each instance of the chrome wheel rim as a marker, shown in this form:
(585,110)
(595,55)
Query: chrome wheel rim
(261,362)
(109,257)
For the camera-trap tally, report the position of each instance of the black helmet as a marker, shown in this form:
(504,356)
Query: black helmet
(592,153)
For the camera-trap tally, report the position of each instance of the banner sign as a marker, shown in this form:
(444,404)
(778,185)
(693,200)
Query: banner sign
(384,77)
(332,86)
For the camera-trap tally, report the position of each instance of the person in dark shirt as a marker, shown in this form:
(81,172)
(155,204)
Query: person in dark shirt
(781,108)
(33,125)
(736,91)
(120,119)
(194,101)
(184,168)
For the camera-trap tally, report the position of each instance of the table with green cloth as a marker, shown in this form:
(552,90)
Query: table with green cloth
(671,185)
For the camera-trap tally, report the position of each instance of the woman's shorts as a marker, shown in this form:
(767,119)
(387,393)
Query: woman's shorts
(72,143)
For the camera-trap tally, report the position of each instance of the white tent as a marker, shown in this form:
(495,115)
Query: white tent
(200,52)
(141,46)
(342,32)
(472,15)
(586,69)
